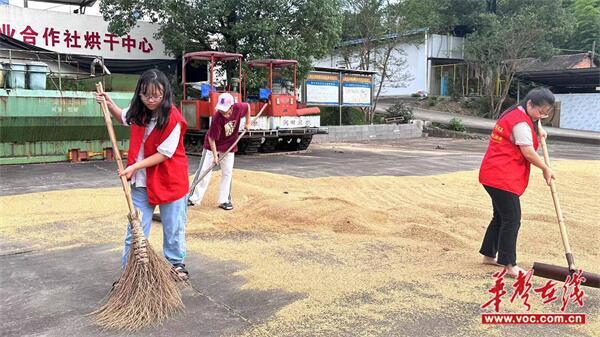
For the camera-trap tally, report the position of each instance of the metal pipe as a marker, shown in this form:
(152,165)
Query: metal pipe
(467,73)
(340,98)
(183,76)
(240,76)
(59,74)
(295,82)
(427,65)
(271,76)
(212,60)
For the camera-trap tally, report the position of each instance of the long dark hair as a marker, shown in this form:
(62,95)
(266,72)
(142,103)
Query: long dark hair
(539,96)
(138,113)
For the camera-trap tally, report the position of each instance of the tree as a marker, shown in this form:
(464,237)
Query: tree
(518,29)
(586,14)
(373,34)
(291,29)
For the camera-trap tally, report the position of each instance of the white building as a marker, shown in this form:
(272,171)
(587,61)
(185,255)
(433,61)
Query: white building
(429,64)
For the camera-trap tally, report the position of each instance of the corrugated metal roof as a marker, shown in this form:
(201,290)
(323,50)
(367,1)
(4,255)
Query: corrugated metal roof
(586,78)
(558,62)
(382,38)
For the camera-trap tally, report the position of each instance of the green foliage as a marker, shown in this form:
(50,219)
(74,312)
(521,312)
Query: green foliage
(455,89)
(456,124)
(401,110)
(287,29)
(518,29)
(374,31)
(586,15)
(350,116)
(378,119)
(443,16)
(432,100)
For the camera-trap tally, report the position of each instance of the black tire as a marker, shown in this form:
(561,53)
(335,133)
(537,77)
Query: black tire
(269,145)
(251,147)
(304,142)
(242,145)
(288,143)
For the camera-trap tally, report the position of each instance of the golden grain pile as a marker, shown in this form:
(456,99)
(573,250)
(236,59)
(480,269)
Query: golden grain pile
(370,255)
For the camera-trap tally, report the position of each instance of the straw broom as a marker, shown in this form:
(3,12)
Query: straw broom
(147,292)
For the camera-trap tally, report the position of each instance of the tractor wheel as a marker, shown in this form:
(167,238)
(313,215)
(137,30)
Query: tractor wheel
(304,142)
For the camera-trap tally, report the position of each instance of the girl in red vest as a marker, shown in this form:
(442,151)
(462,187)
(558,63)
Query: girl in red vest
(504,174)
(156,162)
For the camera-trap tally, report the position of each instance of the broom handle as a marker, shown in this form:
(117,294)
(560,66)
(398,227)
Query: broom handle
(559,214)
(115,147)
(198,178)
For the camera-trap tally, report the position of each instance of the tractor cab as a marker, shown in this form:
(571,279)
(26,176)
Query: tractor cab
(200,97)
(279,94)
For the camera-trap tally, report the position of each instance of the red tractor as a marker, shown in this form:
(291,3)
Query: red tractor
(284,125)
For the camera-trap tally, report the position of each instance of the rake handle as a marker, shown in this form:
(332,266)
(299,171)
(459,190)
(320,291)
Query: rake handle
(115,147)
(198,178)
(559,214)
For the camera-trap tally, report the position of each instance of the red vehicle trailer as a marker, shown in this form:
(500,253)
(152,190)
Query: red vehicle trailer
(290,125)
(285,124)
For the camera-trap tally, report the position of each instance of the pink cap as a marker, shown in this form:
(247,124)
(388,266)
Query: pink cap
(225,102)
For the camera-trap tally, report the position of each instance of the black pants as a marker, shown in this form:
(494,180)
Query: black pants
(501,234)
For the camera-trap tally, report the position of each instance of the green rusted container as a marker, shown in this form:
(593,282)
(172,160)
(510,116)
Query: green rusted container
(43,125)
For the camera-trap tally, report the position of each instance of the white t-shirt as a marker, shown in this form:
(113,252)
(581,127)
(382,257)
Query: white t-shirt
(167,147)
(521,132)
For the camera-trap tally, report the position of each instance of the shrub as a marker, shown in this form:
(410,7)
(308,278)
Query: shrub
(400,110)
(432,100)
(456,124)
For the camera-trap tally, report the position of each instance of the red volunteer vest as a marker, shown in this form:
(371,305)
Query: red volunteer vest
(167,181)
(504,167)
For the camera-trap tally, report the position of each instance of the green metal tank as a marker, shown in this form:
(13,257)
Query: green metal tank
(43,125)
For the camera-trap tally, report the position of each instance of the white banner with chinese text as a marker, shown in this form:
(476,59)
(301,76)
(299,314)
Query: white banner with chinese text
(79,34)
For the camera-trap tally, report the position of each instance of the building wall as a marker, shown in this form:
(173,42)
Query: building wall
(579,111)
(353,133)
(416,68)
(417,65)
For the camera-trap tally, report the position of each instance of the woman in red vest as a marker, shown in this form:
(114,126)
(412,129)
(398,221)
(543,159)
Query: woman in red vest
(156,162)
(504,174)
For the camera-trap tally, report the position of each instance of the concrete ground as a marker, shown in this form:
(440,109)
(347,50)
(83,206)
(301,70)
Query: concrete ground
(48,292)
(420,156)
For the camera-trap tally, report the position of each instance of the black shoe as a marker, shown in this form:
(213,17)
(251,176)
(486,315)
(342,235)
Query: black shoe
(190,203)
(226,206)
(182,273)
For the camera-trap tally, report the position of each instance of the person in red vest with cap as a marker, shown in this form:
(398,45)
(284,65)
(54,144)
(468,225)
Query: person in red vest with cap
(504,173)
(156,162)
